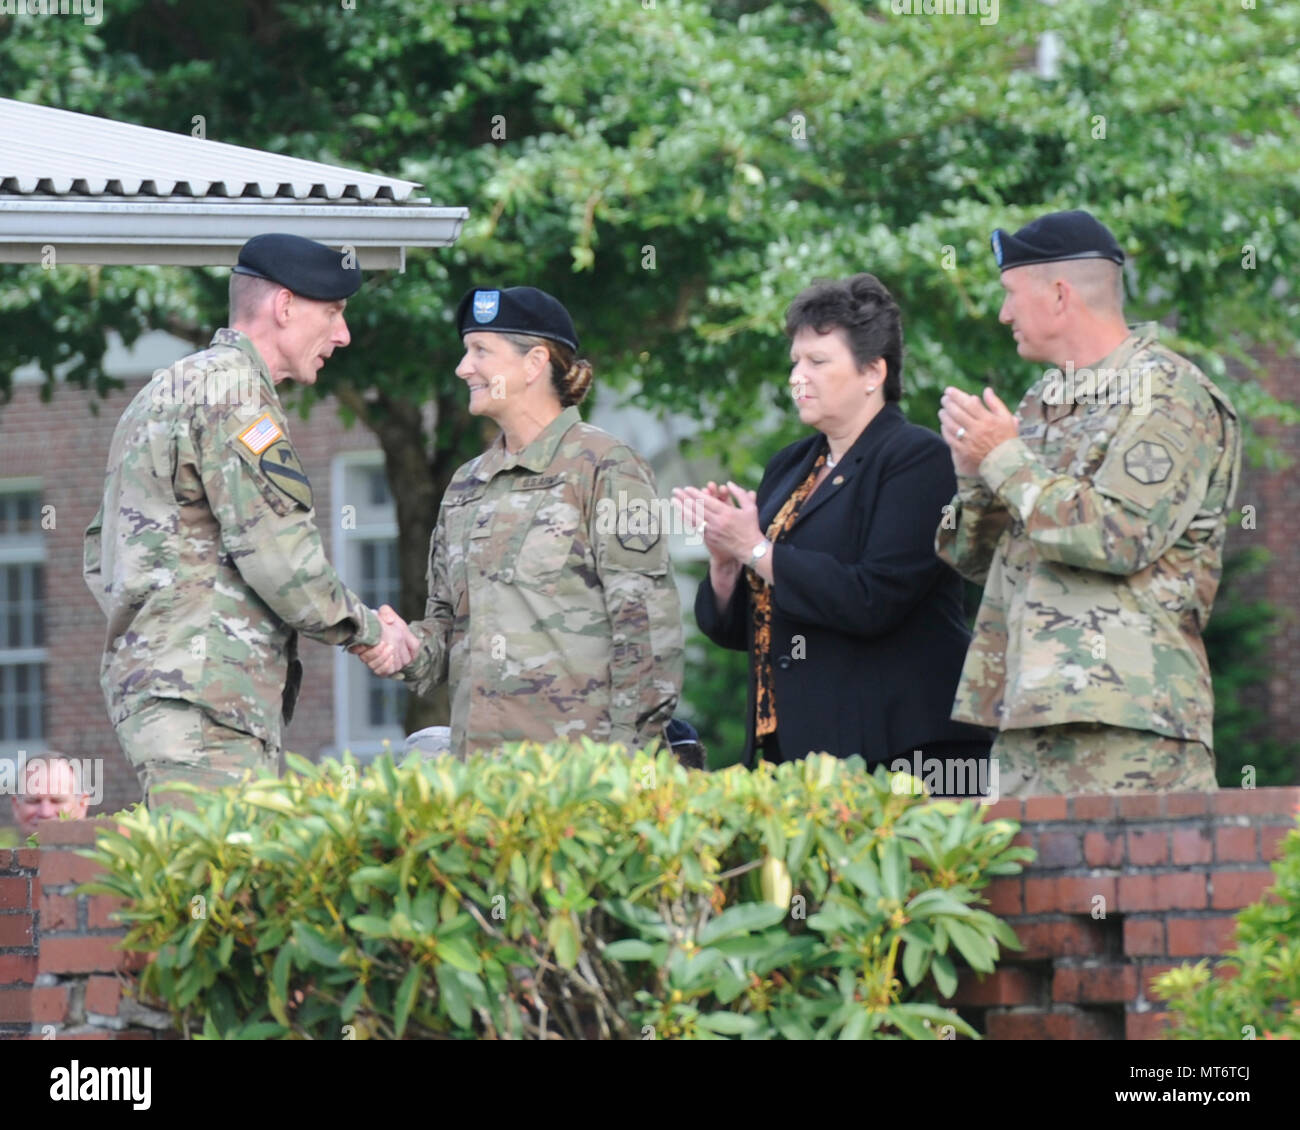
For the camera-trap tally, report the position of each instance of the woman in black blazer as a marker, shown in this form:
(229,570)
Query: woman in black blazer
(828,575)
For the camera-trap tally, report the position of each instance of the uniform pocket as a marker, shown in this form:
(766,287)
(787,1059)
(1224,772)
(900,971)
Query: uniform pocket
(552,530)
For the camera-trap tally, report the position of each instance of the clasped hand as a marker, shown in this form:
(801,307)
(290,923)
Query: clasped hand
(727,516)
(396,648)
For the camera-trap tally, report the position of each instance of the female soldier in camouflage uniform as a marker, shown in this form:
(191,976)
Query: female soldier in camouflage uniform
(552,608)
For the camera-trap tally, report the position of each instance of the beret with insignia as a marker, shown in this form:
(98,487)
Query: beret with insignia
(304,266)
(516,310)
(1055,237)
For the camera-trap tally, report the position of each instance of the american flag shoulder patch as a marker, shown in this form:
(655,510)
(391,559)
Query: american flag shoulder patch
(260,434)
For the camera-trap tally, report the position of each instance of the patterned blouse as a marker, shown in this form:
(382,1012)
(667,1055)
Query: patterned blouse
(765,702)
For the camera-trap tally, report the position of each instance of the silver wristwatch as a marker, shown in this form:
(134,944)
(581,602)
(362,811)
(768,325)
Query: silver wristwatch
(759,552)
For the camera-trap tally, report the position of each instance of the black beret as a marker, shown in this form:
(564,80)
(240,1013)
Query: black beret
(518,310)
(303,265)
(1054,237)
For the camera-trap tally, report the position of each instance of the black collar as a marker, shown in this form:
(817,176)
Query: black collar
(889,417)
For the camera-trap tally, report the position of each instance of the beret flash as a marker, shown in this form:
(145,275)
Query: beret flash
(517,310)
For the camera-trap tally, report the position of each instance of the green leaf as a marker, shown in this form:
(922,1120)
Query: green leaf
(271,801)
(743,918)
(263,1030)
(352,1001)
(977,952)
(728,985)
(857,1024)
(371,925)
(730,1023)
(519,871)
(630,949)
(939,1018)
(863,875)
(385,878)
(313,945)
(912,1027)
(406,994)
(272,938)
(453,996)
(279,994)
(937,901)
(945,974)
(893,870)
(790,951)
(563,936)
(458,952)
(915,960)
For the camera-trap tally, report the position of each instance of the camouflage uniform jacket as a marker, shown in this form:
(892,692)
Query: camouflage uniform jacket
(205,556)
(550,618)
(1098,535)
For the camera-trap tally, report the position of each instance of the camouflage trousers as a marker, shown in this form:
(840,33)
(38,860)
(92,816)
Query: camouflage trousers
(1088,757)
(169,740)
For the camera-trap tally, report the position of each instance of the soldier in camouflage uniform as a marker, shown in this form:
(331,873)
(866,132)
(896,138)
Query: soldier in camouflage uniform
(1095,518)
(552,608)
(204,555)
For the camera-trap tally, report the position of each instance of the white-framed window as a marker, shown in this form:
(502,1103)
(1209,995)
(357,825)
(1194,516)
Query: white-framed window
(367,709)
(22,616)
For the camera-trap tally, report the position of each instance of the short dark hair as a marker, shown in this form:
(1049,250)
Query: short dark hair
(862,308)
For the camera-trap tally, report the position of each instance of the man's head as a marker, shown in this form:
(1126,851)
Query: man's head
(288,295)
(1064,286)
(51,788)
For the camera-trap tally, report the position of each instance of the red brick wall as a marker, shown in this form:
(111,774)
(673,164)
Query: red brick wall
(61,975)
(1170,870)
(65,443)
(1277,516)
(1124,888)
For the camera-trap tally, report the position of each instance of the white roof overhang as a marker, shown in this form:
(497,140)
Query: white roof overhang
(100,191)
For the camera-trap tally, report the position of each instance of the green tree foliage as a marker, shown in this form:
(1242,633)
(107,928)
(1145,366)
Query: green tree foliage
(677,172)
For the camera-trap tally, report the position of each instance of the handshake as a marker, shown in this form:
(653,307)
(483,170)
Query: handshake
(395,649)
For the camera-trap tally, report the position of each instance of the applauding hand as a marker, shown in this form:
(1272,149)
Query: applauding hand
(729,516)
(974,426)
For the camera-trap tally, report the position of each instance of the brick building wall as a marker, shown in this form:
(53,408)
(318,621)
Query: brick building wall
(1274,495)
(64,444)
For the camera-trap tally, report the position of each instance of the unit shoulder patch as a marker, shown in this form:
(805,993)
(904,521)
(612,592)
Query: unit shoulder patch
(639,541)
(284,469)
(1148,462)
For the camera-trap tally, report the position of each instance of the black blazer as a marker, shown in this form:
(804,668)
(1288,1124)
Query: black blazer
(884,634)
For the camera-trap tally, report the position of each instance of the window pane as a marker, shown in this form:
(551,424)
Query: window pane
(379,579)
(36,613)
(22,702)
(385,702)
(11,597)
(26,510)
(22,608)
